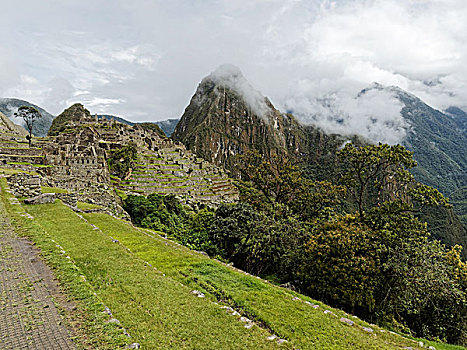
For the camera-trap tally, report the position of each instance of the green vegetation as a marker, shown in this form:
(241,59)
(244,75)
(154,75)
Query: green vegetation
(357,245)
(46,189)
(88,206)
(122,160)
(304,326)
(158,311)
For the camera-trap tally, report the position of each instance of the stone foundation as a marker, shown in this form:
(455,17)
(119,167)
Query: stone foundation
(25,185)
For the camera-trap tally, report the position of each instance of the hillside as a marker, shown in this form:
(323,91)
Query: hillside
(168,126)
(439,143)
(9,106)
(227,116)
(146,285)
(8,127)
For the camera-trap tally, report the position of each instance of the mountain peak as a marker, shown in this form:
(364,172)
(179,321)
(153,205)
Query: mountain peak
(74,113)
(228,76)
(226,72)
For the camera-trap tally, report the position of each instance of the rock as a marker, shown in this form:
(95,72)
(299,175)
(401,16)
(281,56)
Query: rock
(367,329)
(133,346)
(281,341)
(41,199)
(346,320)
(420,344)
(329,312)
(272,337)
(107,311)
(32,181)
(113,320)
(249,325)
(314,306)
(197,293)
(288,285)
(244,319)
(431,348)
(295,298)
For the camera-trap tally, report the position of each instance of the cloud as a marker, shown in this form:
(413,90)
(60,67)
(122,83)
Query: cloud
(230,76)
(144,59)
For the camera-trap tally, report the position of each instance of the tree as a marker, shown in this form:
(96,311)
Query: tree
(272,181)
(341,264)
(378,174)
(122,160)
(30,116)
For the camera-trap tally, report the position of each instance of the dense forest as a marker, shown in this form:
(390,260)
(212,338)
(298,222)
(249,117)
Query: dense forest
(356,243)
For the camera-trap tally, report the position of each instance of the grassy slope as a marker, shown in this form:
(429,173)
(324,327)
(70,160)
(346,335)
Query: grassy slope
(87,320)
(159,311)
(296,321)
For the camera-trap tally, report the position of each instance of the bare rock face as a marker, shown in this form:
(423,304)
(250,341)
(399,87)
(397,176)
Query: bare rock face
(227,116)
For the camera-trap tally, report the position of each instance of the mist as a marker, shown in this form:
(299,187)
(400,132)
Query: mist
(142,60)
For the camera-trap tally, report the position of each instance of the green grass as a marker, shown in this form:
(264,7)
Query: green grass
(88,206)
(27,163)
(303,326)
(8,171)
(46,189)
(157,310)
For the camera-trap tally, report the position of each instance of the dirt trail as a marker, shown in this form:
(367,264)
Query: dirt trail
(28,316)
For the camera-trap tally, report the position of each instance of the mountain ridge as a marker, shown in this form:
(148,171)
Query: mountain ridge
(9,106)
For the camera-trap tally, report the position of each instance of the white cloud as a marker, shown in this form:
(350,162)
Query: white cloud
(143,59)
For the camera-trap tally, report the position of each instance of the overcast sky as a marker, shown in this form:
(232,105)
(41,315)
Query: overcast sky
(142,59)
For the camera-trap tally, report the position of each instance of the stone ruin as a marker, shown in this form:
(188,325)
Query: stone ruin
(77,160)
(24,185)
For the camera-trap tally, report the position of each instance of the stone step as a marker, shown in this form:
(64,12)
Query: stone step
(33,151)
(7,158)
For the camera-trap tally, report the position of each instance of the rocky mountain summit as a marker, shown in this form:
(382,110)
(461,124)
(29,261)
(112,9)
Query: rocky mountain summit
(227,116)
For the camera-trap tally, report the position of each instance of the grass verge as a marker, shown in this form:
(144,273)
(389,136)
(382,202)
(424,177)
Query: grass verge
(270,306)
(87,321)
(158,311)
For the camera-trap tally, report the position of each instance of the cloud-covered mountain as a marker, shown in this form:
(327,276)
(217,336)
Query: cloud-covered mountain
(439,142)
(226,117)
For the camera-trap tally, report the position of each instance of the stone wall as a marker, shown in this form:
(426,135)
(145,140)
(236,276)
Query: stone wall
(25,185)
(70,199)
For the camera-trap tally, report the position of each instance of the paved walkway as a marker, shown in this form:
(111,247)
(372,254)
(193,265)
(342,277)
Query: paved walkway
(28,316)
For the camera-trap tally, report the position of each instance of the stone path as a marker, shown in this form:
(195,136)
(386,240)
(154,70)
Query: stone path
(28,316)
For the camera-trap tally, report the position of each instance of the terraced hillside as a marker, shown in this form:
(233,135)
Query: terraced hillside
(14,149)
(174,170)
(168,297)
